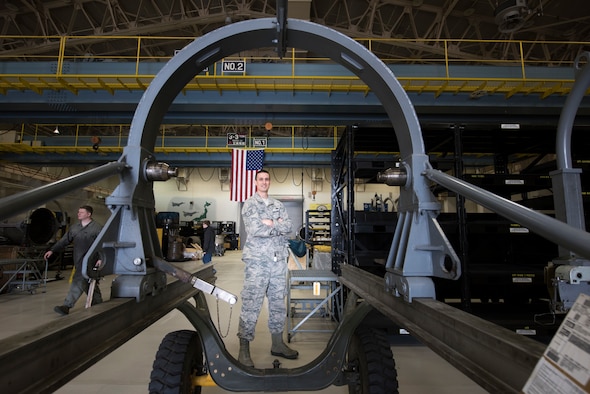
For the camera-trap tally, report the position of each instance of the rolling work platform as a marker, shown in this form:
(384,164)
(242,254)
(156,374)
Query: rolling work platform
(25,275)
(312,293)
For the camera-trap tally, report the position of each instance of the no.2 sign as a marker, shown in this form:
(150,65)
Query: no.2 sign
(233,66)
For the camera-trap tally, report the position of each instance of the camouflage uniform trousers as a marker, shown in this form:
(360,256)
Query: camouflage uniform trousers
(263,278)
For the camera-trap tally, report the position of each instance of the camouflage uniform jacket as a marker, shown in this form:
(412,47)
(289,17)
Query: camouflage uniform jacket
(265,242)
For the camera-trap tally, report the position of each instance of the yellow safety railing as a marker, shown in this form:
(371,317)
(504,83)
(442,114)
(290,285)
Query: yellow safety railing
(141,57)
(80,138)
(138,49)
(138,52)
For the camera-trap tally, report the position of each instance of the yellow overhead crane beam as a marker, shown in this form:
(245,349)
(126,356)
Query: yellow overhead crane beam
(330,84)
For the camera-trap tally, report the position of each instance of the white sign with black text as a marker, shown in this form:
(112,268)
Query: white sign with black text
(565,365)
(233,66)
(259,142)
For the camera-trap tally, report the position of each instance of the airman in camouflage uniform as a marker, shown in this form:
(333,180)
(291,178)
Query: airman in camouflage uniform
(265,255)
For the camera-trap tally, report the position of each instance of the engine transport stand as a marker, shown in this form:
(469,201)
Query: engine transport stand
(210,363)
(313,283)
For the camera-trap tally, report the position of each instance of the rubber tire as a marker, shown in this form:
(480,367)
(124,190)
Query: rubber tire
(370,354)
(179,356)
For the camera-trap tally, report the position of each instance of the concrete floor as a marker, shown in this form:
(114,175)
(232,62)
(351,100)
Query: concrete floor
(127,370)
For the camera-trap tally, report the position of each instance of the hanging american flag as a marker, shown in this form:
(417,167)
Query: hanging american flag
(244,165)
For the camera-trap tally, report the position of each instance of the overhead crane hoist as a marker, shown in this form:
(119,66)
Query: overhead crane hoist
(497,359)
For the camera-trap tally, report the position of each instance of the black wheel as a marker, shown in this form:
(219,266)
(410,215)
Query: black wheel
(370,355)
(179,357)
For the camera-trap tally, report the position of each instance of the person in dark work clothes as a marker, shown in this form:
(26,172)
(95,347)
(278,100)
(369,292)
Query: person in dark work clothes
(82,235)
(208,241)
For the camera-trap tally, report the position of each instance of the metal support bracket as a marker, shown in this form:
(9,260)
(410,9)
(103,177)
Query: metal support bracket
(281,39)
(410,287)
(419,249)
(138,287)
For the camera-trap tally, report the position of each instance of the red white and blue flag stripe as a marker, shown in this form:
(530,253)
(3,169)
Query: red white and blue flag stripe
(245,163)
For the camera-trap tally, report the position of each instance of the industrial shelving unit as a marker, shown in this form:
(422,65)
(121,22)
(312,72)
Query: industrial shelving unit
(318,227)
(360,238)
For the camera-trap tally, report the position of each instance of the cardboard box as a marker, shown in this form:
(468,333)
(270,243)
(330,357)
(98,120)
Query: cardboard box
(292,264)
(194,252)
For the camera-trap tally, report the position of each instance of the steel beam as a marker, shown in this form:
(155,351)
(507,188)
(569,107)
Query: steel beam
(21,202)
(496,358)
(549,228)
(45,358)
(566,180)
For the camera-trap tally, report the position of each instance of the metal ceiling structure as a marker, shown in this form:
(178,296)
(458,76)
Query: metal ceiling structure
(429,20)
(547,34)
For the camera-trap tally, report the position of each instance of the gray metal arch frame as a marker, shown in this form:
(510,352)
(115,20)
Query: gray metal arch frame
(130,237)
(258,33)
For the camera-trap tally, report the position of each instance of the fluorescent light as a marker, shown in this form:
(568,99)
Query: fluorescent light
(510,126)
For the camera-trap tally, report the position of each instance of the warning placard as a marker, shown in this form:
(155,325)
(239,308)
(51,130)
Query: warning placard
(565,365)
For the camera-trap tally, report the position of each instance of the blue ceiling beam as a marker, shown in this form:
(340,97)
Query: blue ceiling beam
(255,107)
(248,107)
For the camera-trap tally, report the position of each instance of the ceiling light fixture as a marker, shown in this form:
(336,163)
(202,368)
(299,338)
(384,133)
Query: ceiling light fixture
(511,15)
(56,131)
